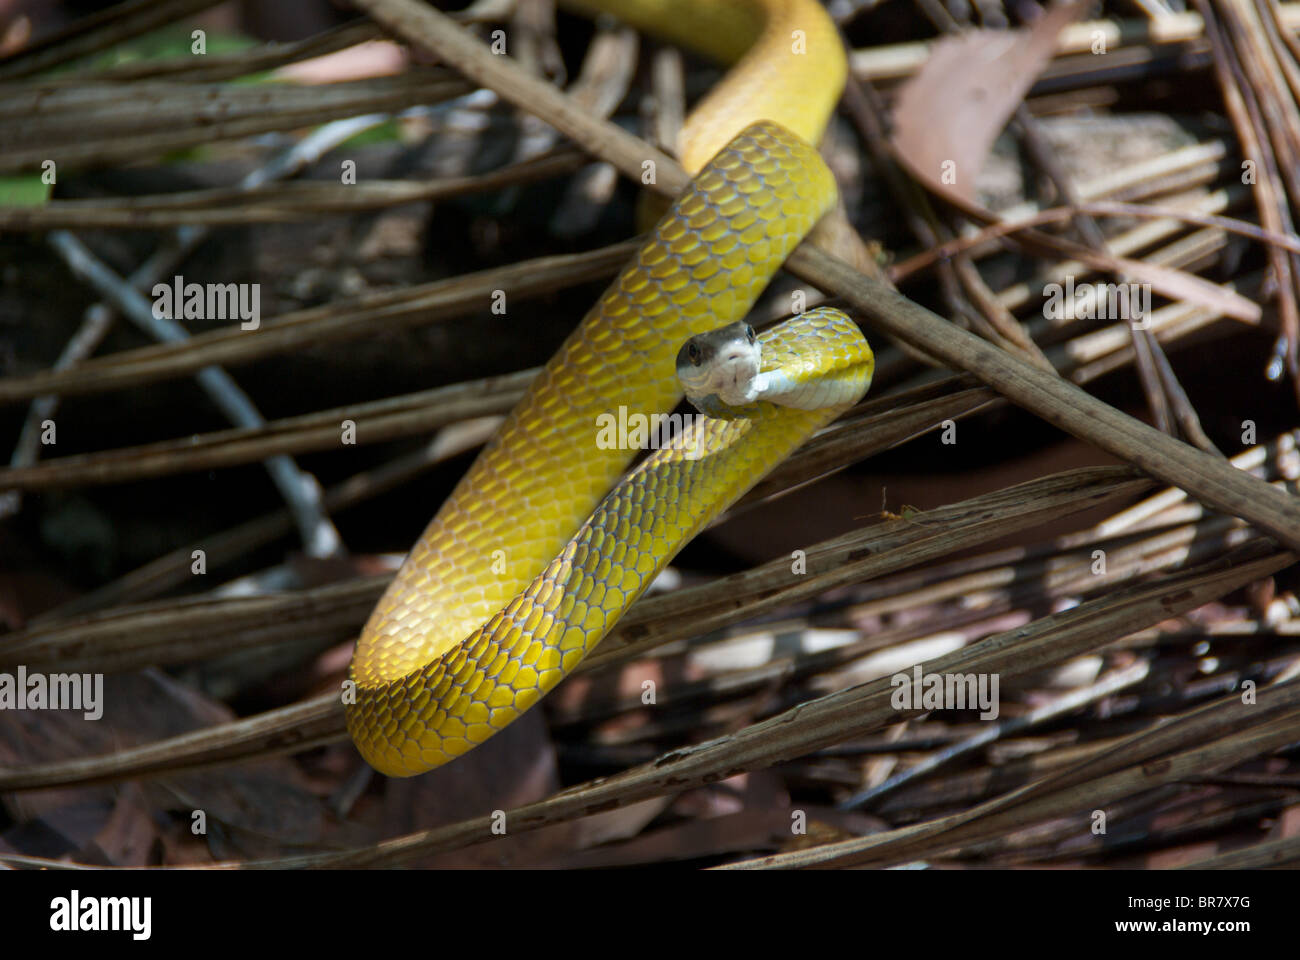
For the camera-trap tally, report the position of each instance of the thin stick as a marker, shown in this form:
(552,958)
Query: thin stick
(1060,706)
(99,317)
(300,490)
(927,258)
(99,32)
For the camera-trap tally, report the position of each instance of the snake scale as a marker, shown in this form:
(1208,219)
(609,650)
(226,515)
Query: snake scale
(548,539)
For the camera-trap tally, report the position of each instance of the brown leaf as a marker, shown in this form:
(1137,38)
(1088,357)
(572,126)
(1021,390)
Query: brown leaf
(515,767)
(953,109)
(258,806)
(948,115)
(130,835)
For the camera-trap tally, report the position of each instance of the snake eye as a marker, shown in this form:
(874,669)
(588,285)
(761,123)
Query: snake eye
(693,353)
(749,332)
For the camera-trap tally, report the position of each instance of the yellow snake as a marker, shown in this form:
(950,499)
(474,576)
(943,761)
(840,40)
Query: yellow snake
(541,547)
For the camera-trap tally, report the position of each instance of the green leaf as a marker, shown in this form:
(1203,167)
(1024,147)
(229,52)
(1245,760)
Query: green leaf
(25,191)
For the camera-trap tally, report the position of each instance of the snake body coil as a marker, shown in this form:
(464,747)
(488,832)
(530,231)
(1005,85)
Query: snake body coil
(533,557)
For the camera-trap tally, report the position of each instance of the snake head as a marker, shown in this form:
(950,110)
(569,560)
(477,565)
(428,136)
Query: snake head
(721,367)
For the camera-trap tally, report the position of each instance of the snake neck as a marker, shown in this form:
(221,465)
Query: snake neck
(789,64)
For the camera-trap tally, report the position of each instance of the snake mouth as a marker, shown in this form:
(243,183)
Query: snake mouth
(722,363)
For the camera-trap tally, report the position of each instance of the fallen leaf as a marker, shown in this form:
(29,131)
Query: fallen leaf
(947,116)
